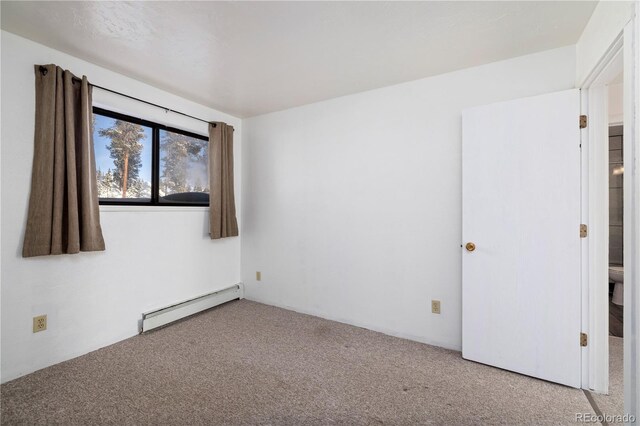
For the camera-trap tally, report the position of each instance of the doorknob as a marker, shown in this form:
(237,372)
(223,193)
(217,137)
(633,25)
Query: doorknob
(470,247)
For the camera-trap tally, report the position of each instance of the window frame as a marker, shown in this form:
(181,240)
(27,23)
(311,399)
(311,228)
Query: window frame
(155,162)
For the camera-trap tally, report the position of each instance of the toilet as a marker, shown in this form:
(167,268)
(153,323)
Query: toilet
(616,274)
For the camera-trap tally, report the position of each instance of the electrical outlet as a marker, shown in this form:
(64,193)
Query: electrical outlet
(39,323)
(435,306)
(258,275)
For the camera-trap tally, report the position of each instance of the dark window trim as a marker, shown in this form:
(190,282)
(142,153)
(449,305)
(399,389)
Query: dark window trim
(155,162)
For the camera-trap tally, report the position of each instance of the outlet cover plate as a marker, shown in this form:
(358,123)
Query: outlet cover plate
(39,323)
(435,306)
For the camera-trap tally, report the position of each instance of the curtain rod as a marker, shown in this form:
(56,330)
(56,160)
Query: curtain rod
(44,71)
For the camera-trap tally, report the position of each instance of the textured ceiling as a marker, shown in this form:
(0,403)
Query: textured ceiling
(250,58)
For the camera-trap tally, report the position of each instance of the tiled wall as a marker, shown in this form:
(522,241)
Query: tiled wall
(615,195)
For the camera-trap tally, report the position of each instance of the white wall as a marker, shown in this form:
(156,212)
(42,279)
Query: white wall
(154,256)
(606,23)
(615,103)
(352,206)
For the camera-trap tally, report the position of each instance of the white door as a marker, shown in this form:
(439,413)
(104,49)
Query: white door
(521,304)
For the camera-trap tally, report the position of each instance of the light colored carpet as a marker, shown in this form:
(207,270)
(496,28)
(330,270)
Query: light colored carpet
(248,363)
(613,404)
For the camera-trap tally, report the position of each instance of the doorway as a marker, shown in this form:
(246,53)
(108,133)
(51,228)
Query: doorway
(610,208)
(616,209)
(611,403)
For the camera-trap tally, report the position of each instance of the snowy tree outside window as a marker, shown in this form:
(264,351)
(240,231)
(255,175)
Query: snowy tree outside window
(183,165)
(125,169)
(123,158)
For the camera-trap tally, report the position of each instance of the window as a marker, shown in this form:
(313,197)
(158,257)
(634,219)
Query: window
(143,163)
(184,162)
(123,151)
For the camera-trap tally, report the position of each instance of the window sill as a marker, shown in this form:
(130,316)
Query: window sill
(140,209)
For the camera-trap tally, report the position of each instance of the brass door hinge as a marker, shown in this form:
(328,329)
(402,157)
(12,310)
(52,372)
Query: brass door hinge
(583,121)
(583,339)
(583,230)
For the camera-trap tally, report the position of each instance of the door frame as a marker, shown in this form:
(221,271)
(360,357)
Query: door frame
(595,214)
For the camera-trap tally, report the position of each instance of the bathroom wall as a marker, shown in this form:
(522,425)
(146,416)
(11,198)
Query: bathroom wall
(615,195)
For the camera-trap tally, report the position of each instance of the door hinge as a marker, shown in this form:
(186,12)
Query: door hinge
(583,230)
(583,121)
(583,339)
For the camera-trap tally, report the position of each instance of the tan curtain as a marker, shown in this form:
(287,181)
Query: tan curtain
(222,206)
(63,206)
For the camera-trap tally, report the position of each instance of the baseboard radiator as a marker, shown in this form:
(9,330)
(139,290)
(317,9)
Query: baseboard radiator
(169,314)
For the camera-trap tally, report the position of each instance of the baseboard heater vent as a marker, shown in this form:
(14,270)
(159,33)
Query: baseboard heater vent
(164,316)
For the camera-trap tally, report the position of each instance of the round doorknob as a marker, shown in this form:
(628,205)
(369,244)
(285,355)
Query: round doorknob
(470,247)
